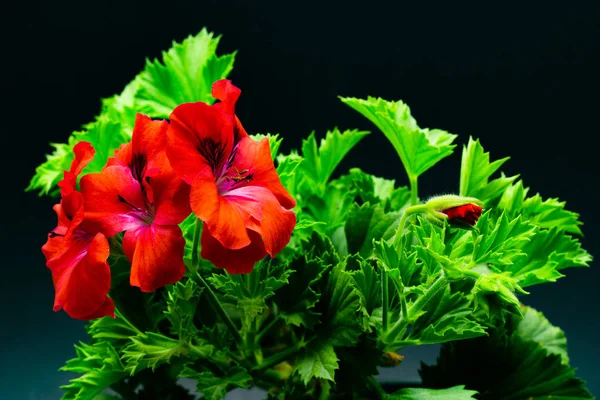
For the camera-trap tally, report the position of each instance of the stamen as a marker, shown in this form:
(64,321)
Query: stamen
(213,152)
(239,176)
(122,200)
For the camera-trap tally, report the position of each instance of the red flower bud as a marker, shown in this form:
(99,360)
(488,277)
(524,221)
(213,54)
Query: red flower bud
(468,213)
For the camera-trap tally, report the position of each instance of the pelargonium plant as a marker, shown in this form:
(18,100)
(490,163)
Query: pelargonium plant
(196,250)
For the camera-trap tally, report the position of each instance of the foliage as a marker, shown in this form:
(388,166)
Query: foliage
(366,273)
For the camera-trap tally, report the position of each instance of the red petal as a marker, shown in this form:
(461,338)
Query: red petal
(256,158)
(240,261)
(264,215)
(198,135)
(82,276)
(222,216)
(229,94)
(106,309)
(158,257)
(170,195)
(103,207)
(84,153)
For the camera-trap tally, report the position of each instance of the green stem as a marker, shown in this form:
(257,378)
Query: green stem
(120,315)
(267,329)
(196,242)
(399,328)
(414,189)
(280,357)
(384,299)
(216,305)
(402,225)
(376,388)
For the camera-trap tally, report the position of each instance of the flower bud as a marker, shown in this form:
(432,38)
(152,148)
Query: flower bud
(457,209)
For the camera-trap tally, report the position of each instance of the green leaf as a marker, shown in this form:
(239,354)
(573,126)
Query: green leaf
(499,240)
(105,135)
(547,252)
(521,363)
(215,387)
(367,223)
(475,172)
(150,350)
(186,74)
(274,142)
(286,169)
(453,393)
(100,367)
(116,331)
(419,149)
(551,213)
(319,362)
(251,291)
(534,326)
(319,163)
(181,307)
(369,287)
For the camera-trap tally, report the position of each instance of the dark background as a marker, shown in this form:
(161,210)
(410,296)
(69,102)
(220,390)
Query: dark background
(523,78)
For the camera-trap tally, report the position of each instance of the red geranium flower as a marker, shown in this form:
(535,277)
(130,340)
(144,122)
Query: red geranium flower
(467,213)
(138,193)
(235,189)
(77,256)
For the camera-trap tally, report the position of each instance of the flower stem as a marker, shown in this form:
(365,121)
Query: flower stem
(399,328)
(384,298)
(216,305)
(414,189)
(122,317)
(375,387)
(196,242)
(281,357)
(267,329)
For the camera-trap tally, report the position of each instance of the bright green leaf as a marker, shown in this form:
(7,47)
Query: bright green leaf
(475,172)
(215,387)
(186,74)
(100,367)
(419,149)
(318,362)
(150,350)
(453,393)
(367,223)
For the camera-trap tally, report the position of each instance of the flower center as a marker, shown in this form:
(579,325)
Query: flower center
(146,215)
(213,152)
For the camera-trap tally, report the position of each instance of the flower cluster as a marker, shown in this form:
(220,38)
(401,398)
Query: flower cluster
(202,161)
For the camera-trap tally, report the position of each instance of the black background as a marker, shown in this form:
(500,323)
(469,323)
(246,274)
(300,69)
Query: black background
(522,78)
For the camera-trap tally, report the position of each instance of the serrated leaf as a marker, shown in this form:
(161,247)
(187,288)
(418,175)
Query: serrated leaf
(547,253)
(251,291)
(453,393)
(116,331)
(100,367)
(186,74)
(318,361)
(551,213)
(182,300)
(498,240)
(367,223)
(150,350)
(369,287)
(215,387)
(320,162)
(508,366)
(475,172)
(419,149)
(534,326)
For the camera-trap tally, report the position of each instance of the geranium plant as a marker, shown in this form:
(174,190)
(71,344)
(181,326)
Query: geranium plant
(196,250)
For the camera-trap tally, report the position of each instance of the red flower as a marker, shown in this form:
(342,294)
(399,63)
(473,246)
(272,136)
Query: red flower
(235,189)
(77,256)
(467,213)
(138,193)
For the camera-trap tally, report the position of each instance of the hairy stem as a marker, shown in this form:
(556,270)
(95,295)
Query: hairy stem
(281,357)
(376,388)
